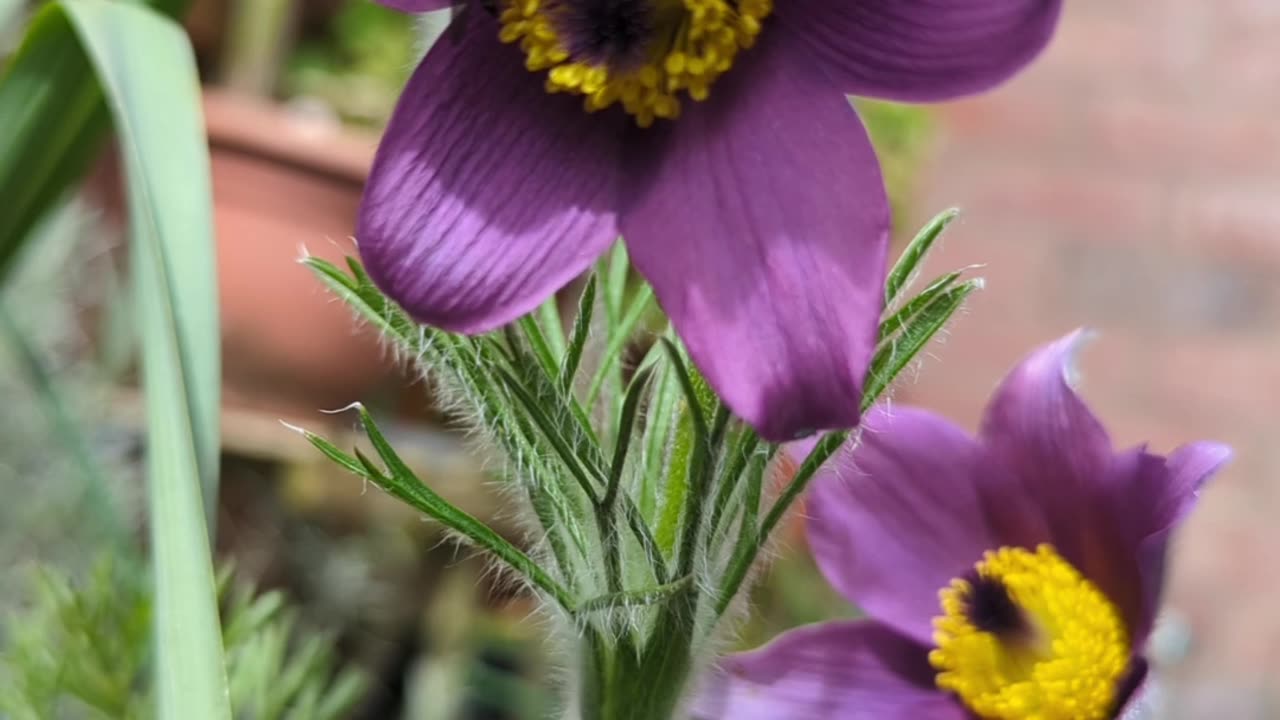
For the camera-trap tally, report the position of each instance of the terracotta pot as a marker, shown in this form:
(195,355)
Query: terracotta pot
(284,185)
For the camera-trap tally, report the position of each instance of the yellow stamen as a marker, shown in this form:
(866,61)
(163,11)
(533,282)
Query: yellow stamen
(1067,663)
(705,38)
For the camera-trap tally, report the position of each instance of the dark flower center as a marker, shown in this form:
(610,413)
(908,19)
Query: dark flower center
(991,609)
(614,33)
(640,54)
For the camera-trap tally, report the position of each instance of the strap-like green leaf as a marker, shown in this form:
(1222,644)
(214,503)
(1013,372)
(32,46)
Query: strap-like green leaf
(145,71)
(52,124)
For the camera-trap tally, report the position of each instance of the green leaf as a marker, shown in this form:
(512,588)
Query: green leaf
(511,383)
(675,487)
(909,310)
(619,334)
(729,480)
(541,345)
(606,514)
(752,541)
(549,319)
(402,483)
(660,417)
(350,292)
(578,341)
(635,598)
(688,385)
(706,444)
(52,124)
(630,409)
(615,270)
(467,365)
(892,357)
(147,74)
(590,477)
(903,270)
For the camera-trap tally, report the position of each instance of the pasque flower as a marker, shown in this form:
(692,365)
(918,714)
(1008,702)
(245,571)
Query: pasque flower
(714,136)
(1012,576)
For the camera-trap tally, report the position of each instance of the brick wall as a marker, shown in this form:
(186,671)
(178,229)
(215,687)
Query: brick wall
(1131,182)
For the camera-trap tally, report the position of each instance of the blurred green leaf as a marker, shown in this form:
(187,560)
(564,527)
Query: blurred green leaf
(81,649)
(901,135)
(78,649)
(146,72)
(52,123)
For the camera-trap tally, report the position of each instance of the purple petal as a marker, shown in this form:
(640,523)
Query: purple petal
(761,221)
(1188,469)
(417,6)
(848,670)
(487,194)
(1139,691)
(921,50)
(1042,435)
(895,519)
(1039,423)
(1100,509)
(1063,470)
(1154,505)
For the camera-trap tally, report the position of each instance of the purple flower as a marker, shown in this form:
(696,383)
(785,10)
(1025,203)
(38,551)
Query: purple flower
(1014,575)
(759,216)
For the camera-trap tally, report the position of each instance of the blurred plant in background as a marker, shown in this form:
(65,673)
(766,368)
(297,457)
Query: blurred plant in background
(357,65)
(82,649)
(75,626)
(76,482)
(900,134)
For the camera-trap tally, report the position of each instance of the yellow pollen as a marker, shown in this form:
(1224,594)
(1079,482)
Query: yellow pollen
(1066,664)
(700,40)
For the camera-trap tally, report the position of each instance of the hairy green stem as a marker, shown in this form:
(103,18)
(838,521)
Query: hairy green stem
(747,552)
(621,681)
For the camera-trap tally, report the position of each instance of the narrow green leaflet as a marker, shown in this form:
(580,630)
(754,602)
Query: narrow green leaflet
(893,356)
(904,315)
(909,262)
(400,482)
(578,341)
(147,74)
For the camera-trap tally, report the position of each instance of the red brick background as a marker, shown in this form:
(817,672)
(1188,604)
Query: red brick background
(1131,182)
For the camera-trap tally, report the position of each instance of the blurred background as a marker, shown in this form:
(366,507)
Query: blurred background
(1130,181)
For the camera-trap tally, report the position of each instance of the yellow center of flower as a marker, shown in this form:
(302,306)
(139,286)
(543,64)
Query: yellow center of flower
(1027,637)
(672,47)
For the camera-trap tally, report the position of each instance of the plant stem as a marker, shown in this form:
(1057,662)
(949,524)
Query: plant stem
(750,548)
(623,682)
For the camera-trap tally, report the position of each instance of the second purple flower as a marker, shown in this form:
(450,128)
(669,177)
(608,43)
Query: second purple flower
(1011,576)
